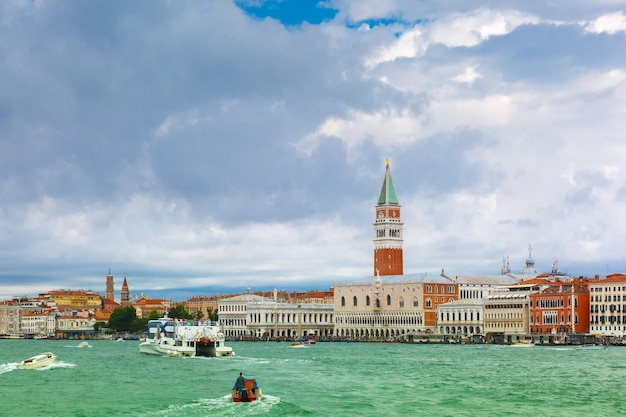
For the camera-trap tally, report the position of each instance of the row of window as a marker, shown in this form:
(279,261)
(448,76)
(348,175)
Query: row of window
(458,315)
(471,294)
(368,301)
(392,233)
(606,289)
(491,316)
(233,307)
(440,289)
(610,319)
(552,317)
(415,302)
(599,298)
(612,308)
(503,306)
(291,318)
(382,320)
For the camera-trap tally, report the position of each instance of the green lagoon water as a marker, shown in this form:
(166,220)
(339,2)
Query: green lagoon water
(327,379)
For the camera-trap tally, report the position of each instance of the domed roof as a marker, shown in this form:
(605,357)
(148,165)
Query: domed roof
(529,269)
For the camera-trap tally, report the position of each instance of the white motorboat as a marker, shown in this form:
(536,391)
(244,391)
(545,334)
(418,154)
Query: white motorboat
(592,346)
(169,337)
(297,345)
(84,344)
(38,361)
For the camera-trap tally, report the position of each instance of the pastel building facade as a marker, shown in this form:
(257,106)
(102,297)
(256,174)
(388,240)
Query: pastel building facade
(608,306)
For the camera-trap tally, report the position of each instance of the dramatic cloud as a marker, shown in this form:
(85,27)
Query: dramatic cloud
(202,147)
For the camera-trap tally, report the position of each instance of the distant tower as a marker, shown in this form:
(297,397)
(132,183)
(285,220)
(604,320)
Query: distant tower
(388,236)
(529,269)
(506,267)
(110,287)
(125,294)
(555,266)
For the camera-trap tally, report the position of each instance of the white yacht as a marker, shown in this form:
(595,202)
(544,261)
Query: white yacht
(171,337)
(38,361)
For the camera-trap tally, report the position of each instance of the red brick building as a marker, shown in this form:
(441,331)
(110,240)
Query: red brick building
(562,307)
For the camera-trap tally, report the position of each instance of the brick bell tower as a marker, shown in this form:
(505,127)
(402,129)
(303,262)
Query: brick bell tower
(110,288)
(388,236)
(125,297)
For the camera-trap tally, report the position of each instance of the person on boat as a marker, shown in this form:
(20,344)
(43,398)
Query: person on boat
(240,382)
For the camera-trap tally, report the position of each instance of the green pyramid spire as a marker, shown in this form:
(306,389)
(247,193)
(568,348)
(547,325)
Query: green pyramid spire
(387,191)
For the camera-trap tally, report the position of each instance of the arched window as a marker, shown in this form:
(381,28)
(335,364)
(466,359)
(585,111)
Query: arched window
(367,300)
(428,303)
(415,302)
(354,303)
(401,302)
(388,300)
(343,301)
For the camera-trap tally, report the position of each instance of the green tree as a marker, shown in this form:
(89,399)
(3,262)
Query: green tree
(198,316)
(212,314)
(99,325)
(154,315)
(179,312)
(122,318)
(138,325)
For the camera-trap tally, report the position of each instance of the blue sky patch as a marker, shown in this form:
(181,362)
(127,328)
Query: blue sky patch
(289,12)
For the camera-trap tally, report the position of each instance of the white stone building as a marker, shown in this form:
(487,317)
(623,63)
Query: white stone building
(461,318)
(390,308)
(253,316)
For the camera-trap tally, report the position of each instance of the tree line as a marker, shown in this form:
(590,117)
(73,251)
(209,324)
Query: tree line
(124,319)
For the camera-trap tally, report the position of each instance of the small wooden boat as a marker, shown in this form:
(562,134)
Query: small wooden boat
(248,393)
(38,361)
(297,345)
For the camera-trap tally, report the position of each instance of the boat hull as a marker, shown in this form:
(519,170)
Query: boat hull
(168,337)
(38,361)
(249,393)
(161,349)
(592,347)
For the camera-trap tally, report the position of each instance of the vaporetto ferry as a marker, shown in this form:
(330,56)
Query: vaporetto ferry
(172,337)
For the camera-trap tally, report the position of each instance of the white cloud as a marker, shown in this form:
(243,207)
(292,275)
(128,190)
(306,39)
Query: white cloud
(165,145)
(609,23)
(462,30)
(397,128)
(473,28)
(468,76)
(408,45)
(177,122)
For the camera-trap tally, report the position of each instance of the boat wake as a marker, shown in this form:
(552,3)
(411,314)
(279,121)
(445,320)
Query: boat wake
(222,406)
(8,367)
(59,364)
(12,366)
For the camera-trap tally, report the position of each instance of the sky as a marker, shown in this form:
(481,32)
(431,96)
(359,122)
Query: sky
(202,148)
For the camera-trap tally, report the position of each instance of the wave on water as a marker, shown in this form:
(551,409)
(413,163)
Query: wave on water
(8,367)
(59,364)
(12,366)
(222,406)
